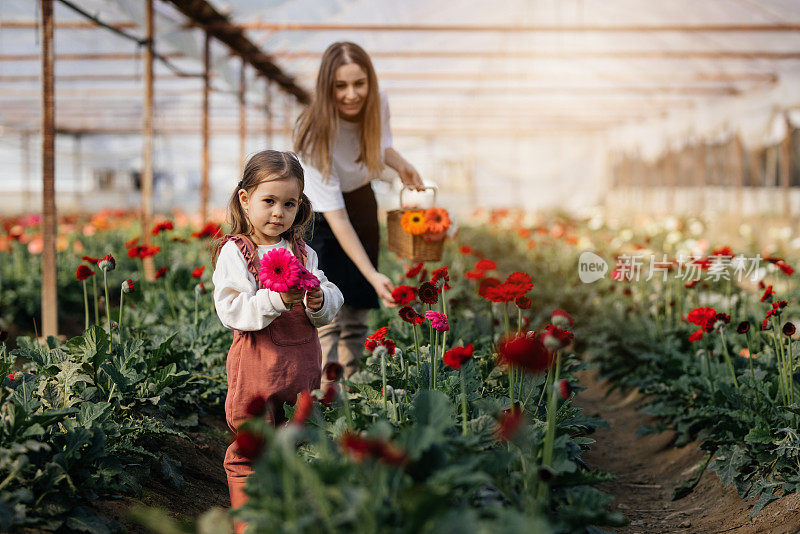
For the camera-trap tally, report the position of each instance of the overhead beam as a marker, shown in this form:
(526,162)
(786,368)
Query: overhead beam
(721,77)
(505,90)
(439,28)
(67,25)
(86,56)
(520,28)
(221,28)
(564,54)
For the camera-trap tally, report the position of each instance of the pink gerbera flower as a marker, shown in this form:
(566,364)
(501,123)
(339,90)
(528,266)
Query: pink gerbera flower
(438,320)
(280,271)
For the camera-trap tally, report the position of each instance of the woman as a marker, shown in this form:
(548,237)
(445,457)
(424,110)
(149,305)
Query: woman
(344,140)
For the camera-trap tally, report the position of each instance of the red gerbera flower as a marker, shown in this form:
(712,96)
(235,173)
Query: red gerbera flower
(249,445)
(524,352)
(523,303)
(409,315)
(465,250)
(485,265)
(440,274)
(305,404)
(257,406)
(474,275)
(198,271)
(428,293)
(509,423)
(379,334)
(414,271)
(330,395)
(768,292)
(785,268)
(390,346)
(403,295)
(333,371)
(83,272)
(161,272)
(722,251)
(210,229)
(520,283)
(564,388)
(129,244)
(456,356)
(370,344)
(487,283)
(162,227)
(90,259)
(696,335)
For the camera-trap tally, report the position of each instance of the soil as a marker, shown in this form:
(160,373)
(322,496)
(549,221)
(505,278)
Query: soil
(649,467)
(201,458)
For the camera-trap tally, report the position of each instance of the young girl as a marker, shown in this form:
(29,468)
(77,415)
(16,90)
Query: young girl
(345,139)
(276,351)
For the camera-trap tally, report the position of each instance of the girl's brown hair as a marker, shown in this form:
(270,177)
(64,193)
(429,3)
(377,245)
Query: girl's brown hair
(318,125)
(264,166)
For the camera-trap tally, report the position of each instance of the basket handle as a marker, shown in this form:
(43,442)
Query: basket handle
(431,187)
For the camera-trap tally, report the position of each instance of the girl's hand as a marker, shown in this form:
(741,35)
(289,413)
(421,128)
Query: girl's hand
(410,177)
(314,299)
(384,287)
(290,298)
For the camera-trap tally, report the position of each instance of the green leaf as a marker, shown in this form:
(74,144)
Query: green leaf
(83,521)
(766,498)
(170,470)
(157,355)
(759,434)
(727,467)
(91,347)
(91,412)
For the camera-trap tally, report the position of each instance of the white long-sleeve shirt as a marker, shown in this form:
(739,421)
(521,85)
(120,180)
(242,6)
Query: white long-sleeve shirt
(242,306)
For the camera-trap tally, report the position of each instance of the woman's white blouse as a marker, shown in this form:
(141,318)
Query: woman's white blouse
(346,174)
(242,306)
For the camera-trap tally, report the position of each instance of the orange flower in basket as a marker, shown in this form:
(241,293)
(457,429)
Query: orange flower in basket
(413,222)
(437,220)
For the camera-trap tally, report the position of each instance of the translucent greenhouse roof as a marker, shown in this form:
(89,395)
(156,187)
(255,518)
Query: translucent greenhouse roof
(643,75)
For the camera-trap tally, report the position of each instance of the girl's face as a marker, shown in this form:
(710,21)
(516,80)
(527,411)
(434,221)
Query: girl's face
(271,209)
(350,89)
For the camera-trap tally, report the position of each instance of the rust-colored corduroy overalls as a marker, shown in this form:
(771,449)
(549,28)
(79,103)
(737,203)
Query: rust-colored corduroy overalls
(276,362)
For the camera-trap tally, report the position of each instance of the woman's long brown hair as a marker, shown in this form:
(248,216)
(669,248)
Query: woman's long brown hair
(318,125)
(264,166)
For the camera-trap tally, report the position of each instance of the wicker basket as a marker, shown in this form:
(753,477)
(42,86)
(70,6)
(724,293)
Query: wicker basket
(411,247)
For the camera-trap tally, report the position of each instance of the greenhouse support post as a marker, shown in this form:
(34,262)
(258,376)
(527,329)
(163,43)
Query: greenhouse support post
(786,168)
(205,133)
(147,143)
(49,282)
(242,120)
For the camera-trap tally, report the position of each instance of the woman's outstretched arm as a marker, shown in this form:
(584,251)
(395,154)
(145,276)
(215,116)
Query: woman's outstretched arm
(351,244)
(408,174)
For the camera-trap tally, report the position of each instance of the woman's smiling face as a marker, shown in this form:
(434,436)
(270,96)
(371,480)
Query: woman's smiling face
(350,90)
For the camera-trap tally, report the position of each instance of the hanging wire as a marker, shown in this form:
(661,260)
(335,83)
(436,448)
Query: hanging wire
(139,41)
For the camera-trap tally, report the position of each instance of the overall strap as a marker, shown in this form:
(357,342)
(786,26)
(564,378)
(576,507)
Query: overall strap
(248,250)
(299,250)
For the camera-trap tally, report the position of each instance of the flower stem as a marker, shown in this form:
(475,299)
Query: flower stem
(750,350)
(550,432)
(346,403)
(727,355)
(463,403)
(416,346)
(96,309)
(108,306)
(121,298)
(383,380)
(434,350)
(85,307)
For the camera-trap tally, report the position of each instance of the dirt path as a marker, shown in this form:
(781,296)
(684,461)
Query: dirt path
(648,468)
(201,459)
